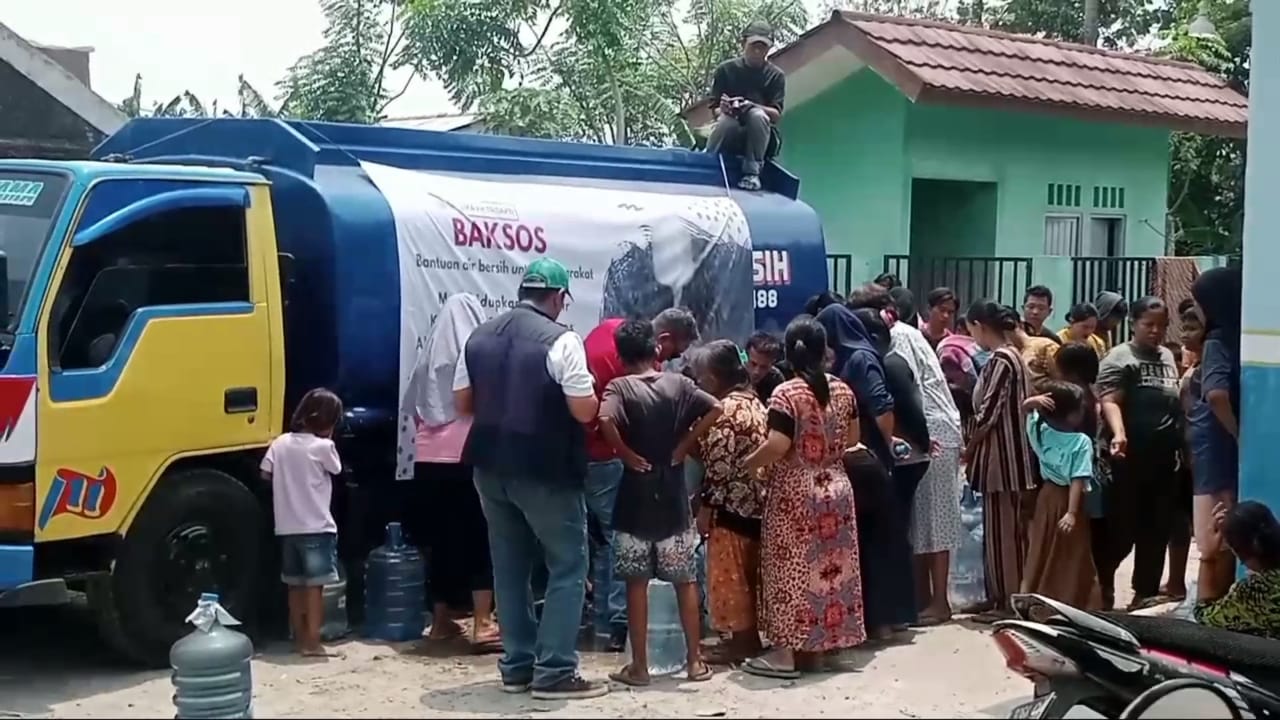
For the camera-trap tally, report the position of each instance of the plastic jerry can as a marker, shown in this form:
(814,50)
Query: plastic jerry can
(212,675)
(666,645)
(395,590)
(335,625)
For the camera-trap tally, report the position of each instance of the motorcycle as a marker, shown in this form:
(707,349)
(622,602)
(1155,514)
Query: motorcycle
(1104,662)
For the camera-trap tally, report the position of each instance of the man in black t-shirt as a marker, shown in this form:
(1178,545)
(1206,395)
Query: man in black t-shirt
(747,93)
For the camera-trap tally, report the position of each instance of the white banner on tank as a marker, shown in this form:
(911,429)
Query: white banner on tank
(630,253)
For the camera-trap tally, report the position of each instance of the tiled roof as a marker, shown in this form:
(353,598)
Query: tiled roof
(934,61)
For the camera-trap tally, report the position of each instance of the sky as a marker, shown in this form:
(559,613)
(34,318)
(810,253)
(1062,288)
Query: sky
(182,45)
(202,46)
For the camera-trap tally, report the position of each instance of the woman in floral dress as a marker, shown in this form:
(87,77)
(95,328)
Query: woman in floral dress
(732,502)
(809,559)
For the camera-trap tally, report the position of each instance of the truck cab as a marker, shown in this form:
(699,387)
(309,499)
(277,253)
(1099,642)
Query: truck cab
(142,361)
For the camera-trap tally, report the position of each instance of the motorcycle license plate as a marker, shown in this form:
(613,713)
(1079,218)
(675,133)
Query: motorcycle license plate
(1032,710)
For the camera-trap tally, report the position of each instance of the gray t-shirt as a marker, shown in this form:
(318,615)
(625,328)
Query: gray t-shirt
(654,412)
(1148,379)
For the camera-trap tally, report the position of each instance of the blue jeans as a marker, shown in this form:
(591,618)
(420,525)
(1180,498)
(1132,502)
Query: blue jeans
(532,522)
(610,593)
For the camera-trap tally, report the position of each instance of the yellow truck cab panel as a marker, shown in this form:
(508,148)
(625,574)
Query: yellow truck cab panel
(159,339)
(158,343)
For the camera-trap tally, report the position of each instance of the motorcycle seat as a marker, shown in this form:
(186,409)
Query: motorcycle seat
(1249,655)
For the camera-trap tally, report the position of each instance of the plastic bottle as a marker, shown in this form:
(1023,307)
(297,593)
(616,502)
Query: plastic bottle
(336,625)
(395,590)
(666,645)
(968,576)
(212,675)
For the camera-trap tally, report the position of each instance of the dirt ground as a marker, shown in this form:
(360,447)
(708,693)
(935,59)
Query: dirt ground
(52,665)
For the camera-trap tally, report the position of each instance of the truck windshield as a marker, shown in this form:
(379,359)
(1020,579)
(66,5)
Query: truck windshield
(29,203)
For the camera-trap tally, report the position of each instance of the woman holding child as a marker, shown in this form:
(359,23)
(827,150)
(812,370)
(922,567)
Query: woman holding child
(809,543)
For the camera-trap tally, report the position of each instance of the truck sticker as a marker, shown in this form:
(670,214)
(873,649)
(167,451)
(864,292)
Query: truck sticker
(22,193)
(770,268)
(75,493)
(17,419)
(629,253)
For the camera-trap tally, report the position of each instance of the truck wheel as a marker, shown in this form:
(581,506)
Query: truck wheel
(199,531)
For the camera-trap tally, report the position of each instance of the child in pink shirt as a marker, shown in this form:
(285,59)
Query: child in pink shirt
(300,466)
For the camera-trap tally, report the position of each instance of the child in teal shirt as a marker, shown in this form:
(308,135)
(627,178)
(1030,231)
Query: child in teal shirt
(1060,557)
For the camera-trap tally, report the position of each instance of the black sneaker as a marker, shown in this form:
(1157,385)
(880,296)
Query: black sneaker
(573,687)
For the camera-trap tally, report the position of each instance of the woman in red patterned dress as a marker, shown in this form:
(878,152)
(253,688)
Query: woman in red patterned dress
(809,557)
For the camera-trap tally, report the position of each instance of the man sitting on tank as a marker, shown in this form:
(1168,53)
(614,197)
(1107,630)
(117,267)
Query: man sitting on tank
(747,96)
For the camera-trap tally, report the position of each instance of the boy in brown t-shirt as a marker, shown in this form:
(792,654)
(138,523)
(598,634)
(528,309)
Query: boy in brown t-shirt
(653,419)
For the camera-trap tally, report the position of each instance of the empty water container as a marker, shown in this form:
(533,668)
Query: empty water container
(395,590)
(335,626)
(968,576)
(212,677)
(666,644)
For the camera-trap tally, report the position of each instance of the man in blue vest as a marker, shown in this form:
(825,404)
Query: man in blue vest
(524,379)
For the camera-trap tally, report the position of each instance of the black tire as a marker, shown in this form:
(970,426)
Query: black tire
(199,531)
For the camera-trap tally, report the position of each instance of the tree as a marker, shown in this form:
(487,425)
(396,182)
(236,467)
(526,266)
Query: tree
(186,104)
(1120,23)
(1206,174)
(609,71)
(345,79)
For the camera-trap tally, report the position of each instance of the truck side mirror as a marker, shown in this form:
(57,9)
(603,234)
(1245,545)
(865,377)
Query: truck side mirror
(285,263)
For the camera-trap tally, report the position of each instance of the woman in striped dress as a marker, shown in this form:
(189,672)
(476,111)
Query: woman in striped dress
(998,458)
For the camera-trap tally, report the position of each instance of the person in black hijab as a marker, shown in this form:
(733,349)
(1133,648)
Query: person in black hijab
(905,304)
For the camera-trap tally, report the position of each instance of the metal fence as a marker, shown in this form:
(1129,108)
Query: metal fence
(1130,277)
(1003,279)
(840,273)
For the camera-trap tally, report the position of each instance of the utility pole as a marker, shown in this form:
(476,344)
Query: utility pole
(1090,35)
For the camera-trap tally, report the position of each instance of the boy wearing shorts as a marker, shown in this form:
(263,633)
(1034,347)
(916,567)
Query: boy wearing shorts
(653,419)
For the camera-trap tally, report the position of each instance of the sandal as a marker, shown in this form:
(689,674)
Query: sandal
(702,675)
(992,616)
(624,677)
(926,620)
(762,667)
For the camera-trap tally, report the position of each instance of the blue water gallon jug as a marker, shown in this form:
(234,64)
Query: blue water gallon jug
(395,590)
(667,649)
(211,666)
(968,576)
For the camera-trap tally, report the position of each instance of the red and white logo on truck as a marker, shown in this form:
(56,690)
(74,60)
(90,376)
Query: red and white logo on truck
(17,419)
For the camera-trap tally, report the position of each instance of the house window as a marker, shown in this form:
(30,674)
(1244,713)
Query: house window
(1061,234)
(1108,197)
(1063,195)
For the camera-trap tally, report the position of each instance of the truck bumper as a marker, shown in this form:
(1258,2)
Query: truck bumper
(17,587)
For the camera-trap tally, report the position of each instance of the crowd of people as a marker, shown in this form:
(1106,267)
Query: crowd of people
(804,491)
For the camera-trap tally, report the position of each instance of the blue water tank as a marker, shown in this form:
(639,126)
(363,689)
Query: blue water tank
(395,590)
(212,677)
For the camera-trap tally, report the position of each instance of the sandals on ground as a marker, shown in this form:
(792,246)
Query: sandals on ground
(762,667)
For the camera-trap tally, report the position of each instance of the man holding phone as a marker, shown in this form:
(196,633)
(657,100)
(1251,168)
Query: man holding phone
(747,94)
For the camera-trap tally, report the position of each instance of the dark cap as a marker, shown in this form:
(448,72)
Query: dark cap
(758,31)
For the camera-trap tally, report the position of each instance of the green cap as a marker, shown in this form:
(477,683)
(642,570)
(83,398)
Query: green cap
(546,273)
